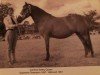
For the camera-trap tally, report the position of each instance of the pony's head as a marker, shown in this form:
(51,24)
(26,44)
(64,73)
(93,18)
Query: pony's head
(26,11)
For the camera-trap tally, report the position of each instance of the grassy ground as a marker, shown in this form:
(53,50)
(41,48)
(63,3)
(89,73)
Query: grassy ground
(64,53)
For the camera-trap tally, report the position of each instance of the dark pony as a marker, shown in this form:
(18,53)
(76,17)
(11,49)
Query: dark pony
(59,27)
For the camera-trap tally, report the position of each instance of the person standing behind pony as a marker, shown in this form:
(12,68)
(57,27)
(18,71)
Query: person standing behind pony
(11,34)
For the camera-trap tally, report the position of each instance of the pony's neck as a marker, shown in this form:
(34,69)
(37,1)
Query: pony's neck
(37,14)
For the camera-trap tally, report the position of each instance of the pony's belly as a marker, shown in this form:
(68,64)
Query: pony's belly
(60,36)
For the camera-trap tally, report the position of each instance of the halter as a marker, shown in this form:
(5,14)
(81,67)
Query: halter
(28,10)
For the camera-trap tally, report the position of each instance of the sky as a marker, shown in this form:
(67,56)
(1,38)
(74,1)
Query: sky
(58,8)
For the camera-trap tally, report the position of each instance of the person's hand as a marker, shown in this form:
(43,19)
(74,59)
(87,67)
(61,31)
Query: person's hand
(15,25)
(18,25)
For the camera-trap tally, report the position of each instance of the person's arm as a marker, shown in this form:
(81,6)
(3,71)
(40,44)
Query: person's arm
(15,19)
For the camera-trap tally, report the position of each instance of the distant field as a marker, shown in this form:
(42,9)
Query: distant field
(67,52)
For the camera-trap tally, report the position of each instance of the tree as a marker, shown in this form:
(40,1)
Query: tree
(90,17)
(3,12)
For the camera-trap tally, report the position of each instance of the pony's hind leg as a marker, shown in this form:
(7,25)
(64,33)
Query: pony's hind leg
(85,38)
(90,45)
(84,44)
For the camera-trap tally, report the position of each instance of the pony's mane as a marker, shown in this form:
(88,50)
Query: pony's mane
(40,10)
(74,14)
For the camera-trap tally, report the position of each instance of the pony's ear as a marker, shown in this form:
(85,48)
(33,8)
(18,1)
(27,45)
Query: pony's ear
(26,3)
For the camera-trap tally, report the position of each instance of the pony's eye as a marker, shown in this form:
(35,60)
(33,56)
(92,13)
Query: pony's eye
(24,7)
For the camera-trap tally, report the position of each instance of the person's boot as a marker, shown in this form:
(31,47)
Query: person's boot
(14,58)
(9,58)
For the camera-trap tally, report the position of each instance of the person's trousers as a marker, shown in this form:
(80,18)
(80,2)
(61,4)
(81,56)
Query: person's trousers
(11,37)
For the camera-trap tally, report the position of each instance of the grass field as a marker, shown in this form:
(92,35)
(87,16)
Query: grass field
(67,52)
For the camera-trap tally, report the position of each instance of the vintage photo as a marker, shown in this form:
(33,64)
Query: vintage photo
(49,33)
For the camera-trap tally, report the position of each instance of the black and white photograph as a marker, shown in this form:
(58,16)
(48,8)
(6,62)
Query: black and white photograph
(49,33)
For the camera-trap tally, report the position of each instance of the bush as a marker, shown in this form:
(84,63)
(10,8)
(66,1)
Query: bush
(4,10)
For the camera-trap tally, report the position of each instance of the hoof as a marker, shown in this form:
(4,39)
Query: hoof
(10,63)
(92,56)
(86,56)
(14,61)
(47,59)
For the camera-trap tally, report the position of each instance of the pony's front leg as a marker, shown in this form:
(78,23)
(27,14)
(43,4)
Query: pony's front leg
(47,48)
